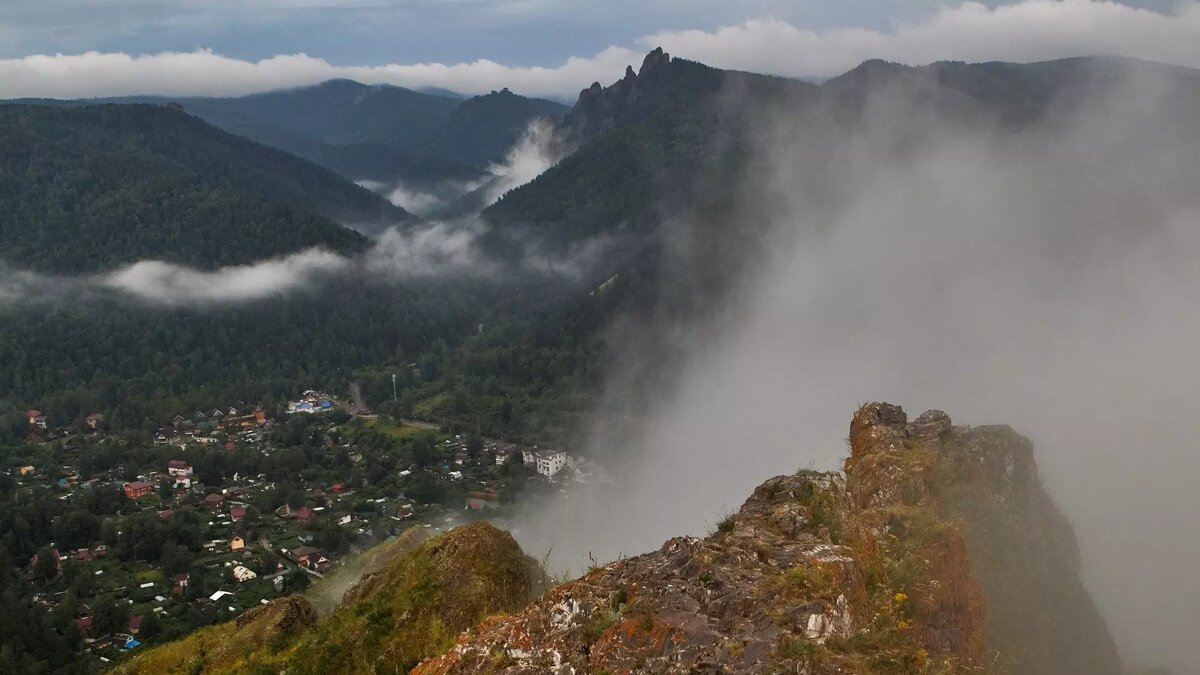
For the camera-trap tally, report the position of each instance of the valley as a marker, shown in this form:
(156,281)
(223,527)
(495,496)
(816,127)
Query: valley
(278,368)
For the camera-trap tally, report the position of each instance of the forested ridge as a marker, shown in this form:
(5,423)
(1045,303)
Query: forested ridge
(85,189)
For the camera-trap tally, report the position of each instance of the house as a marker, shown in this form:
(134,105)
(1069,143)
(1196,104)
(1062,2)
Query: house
(303,513)
(527,456)
(213,501)
(344,518)
(100,550)
(36,418)
(550,462)
(311,558)
(461,457)
(180,583)
(95,421)
(242,574)
(456,475)
(215,597)
(84,554)
(135,624)
(236,543)
(26,470)
(161,439)
(237,513)
(166,514)
(179,467)
(337,487)
(84,625)
(138,489)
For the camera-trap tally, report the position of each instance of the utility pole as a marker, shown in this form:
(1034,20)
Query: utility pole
(394,397)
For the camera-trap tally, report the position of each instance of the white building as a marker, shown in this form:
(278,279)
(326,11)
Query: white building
(243,574)
(550,462)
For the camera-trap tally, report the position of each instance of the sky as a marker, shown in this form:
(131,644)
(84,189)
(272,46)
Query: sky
(550,48)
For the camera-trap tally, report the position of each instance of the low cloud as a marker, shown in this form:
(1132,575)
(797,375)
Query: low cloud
(1024,31)
(1033,30)
(1041,279)
(417,199)
(206,73)
(434,250)
(164,283)
(538,149)
(397,254)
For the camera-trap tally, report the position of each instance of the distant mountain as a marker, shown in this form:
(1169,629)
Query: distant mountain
(483,128)
(338,112)
(381,133)
(649,142)
(85,188)
(377,132)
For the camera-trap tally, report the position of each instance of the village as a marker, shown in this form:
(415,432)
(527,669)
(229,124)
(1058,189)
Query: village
(233,505)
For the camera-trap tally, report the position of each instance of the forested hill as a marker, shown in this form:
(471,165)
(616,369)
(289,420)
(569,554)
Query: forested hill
(654,141)
(482,129)
(377,132)
(86,188)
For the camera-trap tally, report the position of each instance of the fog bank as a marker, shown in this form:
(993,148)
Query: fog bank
(1045,280)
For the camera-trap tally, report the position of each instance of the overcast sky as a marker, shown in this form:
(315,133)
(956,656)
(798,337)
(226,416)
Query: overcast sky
(539,47)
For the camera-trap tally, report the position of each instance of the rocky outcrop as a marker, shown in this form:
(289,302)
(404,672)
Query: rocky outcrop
(890,566)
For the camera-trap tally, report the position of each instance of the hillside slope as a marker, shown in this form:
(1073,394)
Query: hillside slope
(409,608)
(936,551)
(86,188)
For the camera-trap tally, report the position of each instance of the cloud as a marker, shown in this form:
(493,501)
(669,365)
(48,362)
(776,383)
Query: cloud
(164,283)
(414,199)
(535,151)
(1041,279)
(432,250)
(206,73)
(1033,30)
(1024,31)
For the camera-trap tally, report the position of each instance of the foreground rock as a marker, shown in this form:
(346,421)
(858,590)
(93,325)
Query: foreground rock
(936,551)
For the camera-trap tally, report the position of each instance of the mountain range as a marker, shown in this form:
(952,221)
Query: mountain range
(663,202)
(371,132)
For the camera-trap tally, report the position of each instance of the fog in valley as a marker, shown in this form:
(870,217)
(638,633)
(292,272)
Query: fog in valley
(1045,279)
(430,249)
